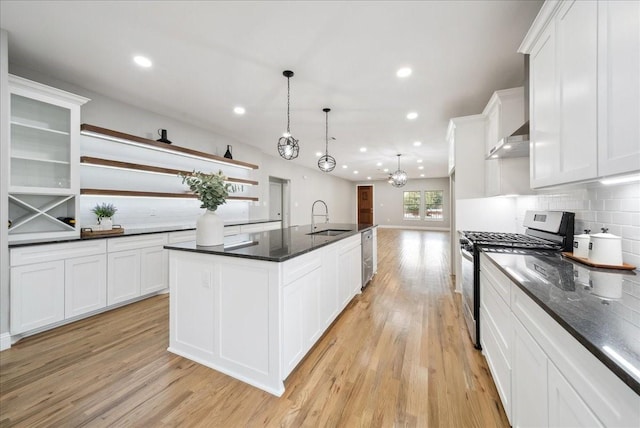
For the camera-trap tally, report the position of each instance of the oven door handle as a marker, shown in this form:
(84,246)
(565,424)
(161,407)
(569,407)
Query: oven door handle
(466,254)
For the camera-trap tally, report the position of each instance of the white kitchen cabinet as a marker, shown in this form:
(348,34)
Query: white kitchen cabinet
(618,87)
(37,295)
(563,79)
(466,144)
(123,276)
(496,328)
(154,269)
(585,78)
(349,269)
(566,408)
(43,167)
(85,285)
(137,265)
(530,392)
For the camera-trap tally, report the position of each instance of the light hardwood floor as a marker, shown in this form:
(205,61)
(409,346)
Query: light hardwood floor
(399,355)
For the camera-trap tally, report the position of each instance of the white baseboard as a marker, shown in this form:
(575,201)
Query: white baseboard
(5,341)
(409,227)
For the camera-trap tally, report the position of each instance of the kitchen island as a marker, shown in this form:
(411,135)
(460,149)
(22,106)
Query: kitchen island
(254,307)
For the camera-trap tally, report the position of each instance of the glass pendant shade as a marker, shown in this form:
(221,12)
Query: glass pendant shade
(326,163)
(288,147)
(399,177)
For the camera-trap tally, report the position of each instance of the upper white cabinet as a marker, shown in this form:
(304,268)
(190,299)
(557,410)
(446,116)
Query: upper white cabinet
(618,87)
(465,136)
(504,114)
(584,100)
(43,170)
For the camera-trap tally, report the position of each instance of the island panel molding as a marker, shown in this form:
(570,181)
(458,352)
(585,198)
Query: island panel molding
(112,192)
(90,160)
(121,137)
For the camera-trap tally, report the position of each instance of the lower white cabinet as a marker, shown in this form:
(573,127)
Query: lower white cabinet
(566,408)
(529,393)
(555,381)
(85,285)
(349,269)
(154,263)
(37,295)
(123,276)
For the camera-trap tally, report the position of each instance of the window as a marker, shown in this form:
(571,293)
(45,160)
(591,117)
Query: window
(432,205)
(411,202)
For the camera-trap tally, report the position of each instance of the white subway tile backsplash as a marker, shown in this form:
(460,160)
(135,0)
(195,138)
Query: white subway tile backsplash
(614,207)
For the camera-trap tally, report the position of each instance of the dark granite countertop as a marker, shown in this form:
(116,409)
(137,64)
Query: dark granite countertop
(599,307)
(131,232)
(275,245)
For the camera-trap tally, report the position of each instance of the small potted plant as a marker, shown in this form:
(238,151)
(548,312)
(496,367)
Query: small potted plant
(212,190)
(103,213)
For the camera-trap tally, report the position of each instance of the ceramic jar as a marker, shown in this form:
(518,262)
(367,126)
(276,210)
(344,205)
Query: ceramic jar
(605,249)
(581,244)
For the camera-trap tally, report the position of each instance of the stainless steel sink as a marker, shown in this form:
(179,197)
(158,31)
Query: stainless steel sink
(330,232)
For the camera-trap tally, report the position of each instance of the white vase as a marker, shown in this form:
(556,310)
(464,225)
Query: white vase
(209,229)
(106,224)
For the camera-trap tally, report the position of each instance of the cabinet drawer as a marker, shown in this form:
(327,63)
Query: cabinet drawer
(614,403)
(498,280)
(499,362)
(498,315)
(182,236)
(50,252)
(136,242)
(300,266)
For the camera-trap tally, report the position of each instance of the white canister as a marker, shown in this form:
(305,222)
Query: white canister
(605,249)
(581,245)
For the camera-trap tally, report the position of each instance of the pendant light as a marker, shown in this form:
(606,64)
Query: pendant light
(287,145)
(399,178)
(326,163)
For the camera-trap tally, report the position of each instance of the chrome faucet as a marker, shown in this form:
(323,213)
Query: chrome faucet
(314,215)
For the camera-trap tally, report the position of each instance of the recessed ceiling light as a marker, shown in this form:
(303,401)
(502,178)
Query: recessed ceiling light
(506,146)
(386,170)
(420,167)
(239,110)
(404,72)
(363,149)
(412,115)
(494,156)
(344,166)
(379,164)
(142,61)
(368,178)
(421,175)
(417,143)
(419,161)
(355,172)
(318,154)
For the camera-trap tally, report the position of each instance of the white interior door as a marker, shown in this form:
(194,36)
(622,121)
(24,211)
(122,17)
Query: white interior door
(275,201)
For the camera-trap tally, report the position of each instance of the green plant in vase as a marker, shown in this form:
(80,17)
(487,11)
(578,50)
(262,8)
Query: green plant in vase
(212,190)
(104,213)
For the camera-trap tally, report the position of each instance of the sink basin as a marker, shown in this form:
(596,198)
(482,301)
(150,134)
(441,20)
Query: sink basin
(330,232)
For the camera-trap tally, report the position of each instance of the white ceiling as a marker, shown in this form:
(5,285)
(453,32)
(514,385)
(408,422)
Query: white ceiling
(209,57)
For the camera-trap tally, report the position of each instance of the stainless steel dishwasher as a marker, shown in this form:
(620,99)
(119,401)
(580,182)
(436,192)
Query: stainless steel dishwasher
(367,256)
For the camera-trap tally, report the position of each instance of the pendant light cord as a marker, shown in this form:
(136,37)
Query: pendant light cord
(288,101)
(326,133)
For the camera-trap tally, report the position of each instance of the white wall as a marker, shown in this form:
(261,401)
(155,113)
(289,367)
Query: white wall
(4,172)
(388,208)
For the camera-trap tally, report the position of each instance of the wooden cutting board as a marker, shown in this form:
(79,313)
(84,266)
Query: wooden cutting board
(623,266)
(87,232)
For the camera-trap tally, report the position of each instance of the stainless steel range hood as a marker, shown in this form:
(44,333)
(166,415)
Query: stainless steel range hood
(515,145)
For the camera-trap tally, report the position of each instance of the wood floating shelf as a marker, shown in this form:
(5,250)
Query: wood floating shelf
(136,193)
(151,144)
(149,168)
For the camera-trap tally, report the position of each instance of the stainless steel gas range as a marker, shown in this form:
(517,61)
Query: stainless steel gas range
(545,231)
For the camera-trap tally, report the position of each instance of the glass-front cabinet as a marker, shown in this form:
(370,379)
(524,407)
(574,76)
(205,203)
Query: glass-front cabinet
(44,153)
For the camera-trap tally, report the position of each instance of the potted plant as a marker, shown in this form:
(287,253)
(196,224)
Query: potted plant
(104,213)
(212,190)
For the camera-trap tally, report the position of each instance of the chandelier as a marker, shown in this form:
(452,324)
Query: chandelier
(287,145)
(326,163)
(399,177)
